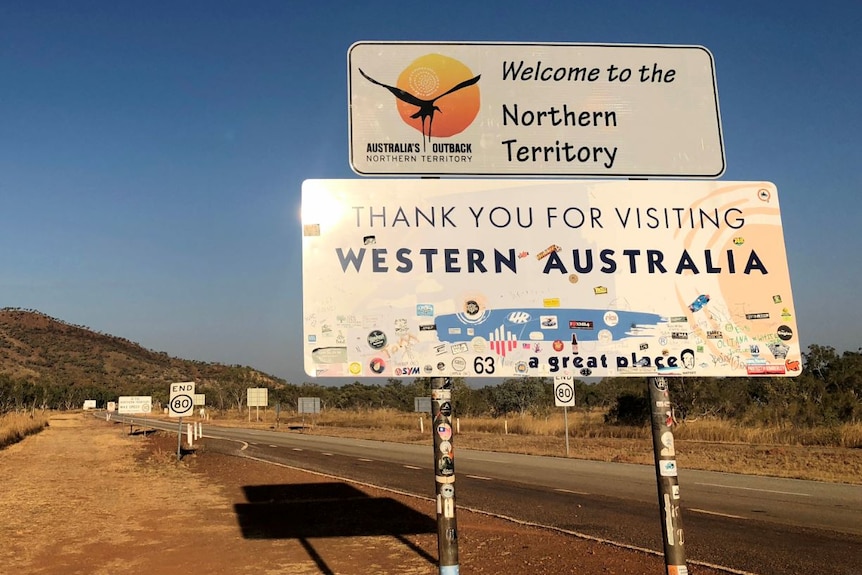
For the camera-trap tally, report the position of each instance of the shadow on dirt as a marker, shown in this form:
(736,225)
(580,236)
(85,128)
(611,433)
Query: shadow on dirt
(318,510)
(144,432)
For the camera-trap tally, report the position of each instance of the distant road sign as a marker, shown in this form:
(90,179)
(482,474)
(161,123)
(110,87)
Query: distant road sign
(422,404)
(134,404)
(533,109)
(257,397)
(564,391)
(308,405)
(181,402)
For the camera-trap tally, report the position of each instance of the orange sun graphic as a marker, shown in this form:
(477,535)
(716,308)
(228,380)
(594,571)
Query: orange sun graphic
(436,95)
(429,78)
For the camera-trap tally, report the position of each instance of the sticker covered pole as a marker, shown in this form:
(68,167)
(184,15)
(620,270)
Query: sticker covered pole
(667,478)
(444,475)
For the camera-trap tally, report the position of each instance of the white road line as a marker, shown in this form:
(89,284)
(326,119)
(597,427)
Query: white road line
(572,492)
(273,445)
(479,477)
(412,467)
(365,460)
(753,489)
(326,454)
(704,511)
(297,449)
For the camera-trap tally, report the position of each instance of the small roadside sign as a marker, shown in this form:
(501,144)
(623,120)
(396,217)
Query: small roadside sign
(308,405)
(133,404)
(564,391)
(181,402)
(257,397)
(422,404)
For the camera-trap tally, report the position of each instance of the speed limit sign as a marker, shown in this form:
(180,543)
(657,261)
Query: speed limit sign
(564,391)
(182,401)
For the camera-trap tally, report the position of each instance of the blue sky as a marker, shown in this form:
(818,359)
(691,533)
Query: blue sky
(152,154)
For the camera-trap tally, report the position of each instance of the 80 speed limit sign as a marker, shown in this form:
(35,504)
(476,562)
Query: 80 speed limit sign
(564,391)
(182,401)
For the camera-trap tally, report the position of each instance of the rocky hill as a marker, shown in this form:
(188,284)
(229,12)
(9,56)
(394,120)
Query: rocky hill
(44,350)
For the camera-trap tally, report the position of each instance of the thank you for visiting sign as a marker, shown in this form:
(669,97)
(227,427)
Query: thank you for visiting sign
(533,109)
(494,278)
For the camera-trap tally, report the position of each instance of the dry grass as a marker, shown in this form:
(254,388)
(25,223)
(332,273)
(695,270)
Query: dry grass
(16,426)
(822,454)
(591,425)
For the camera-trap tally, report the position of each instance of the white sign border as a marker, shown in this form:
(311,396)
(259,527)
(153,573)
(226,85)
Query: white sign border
(538,172)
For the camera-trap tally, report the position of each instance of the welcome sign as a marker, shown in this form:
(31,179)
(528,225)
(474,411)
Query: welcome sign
(533,109)
(493,278)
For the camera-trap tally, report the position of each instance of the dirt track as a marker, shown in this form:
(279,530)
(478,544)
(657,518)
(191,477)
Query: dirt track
(84,497)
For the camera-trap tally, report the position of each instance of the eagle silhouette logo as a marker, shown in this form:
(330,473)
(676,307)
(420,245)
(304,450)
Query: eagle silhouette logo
(427,81)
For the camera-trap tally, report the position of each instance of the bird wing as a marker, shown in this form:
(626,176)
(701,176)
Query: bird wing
(398,92)
(463,84)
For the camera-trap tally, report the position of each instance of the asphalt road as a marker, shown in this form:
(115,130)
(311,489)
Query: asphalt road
(745,524)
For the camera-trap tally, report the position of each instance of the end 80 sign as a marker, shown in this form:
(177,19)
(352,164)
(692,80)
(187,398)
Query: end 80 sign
(181,402)
(564,391)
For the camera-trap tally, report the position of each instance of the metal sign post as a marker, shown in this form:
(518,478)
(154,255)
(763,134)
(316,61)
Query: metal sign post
(180,439)
(667,479)
(444,475)
(566,423)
